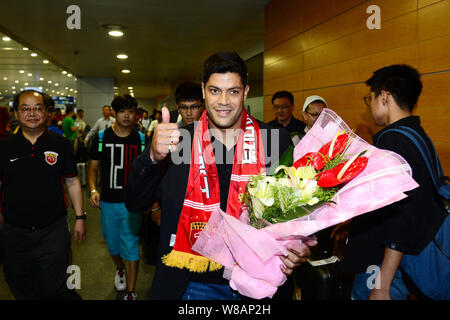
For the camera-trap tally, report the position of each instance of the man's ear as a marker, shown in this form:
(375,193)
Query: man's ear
(385,97)
(246,90)
(203,91)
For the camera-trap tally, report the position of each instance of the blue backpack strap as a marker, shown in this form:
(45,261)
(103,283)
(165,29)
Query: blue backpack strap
(415,137)
(142,137)
(442,182)
(426,148)
(100,140)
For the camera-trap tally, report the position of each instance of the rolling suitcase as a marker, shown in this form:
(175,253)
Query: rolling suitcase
(322,276)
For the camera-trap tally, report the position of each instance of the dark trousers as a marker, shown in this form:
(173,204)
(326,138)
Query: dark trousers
(35,262)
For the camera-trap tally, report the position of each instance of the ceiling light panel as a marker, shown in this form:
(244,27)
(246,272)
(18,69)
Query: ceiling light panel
(20,69)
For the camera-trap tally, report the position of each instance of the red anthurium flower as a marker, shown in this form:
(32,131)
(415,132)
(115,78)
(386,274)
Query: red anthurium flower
(319,159)
(324,155)
(334,177)
(307,159)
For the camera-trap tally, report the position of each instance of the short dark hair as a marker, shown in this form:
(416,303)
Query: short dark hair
(17,97)
(188,91)
(402,81)
(69,109)
(48,101)
(123,102)
(224,62)
(80,110)
(283,94)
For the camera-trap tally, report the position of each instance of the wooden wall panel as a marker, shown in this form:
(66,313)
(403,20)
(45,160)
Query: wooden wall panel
(286,18)
(357,70)
(291,82)
(434,106)
(282,21)
(424,3)
(433,55)
(286,49)
(348,22)
(293,64)
(395,33)
(436,91)
(324,47)
(434,20)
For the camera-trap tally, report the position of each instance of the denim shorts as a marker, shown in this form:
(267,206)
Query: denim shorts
(209,291)
(121,230)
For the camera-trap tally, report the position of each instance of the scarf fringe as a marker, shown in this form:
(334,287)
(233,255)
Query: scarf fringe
(189,261)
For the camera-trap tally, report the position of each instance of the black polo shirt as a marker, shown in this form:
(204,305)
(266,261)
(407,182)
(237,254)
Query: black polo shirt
(32,179)
(293,127)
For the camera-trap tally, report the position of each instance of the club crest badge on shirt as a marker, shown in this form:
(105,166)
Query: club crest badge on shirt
(51,157)
(196,228)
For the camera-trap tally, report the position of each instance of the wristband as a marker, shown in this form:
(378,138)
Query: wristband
(82,217)
(93,191)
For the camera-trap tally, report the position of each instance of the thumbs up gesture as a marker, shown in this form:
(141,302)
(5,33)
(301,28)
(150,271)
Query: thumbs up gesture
(165,138)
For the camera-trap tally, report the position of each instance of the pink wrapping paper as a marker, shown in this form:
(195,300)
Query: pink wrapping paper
(251,256)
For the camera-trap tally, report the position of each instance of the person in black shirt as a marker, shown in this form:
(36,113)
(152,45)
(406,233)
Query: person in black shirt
(380,238)
(283,106)
(34,165)
(114,149)
(158,174)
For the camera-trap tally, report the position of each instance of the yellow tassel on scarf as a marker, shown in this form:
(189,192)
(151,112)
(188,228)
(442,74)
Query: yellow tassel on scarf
(189,261)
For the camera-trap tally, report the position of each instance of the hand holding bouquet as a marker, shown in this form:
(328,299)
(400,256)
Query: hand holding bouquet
(333,176)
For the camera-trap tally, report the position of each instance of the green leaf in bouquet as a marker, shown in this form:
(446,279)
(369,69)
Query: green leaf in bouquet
(326,194)
(272,212)
(287,159)
(295,213)
(335,162)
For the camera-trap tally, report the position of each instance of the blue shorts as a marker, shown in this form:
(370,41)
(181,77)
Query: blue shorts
(121,230)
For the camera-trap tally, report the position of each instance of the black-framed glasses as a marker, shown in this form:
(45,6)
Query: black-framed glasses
(368,98)
(28,109)
(186,108)
(313,114)
(281,107)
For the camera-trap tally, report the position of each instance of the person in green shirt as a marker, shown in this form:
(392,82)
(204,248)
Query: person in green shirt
(68,125)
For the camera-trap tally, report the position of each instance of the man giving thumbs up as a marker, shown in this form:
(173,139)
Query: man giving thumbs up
(188,192)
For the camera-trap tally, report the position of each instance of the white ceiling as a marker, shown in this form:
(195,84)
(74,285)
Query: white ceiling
(166,41)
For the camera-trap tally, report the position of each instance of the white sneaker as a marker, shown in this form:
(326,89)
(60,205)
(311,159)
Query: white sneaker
(120,282)
(130,296)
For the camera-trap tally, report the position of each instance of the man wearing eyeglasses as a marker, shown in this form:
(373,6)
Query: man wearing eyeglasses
(34,165)
(403,229)
(189,100)
(283,106)
(312,108)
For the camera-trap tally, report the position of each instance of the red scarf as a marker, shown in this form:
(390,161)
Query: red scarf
(203,192)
